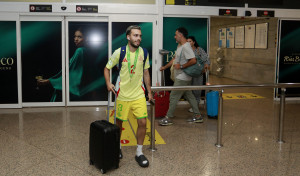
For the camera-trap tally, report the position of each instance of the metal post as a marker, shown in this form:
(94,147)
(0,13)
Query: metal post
(281,115)
(115,109)
(108,104)
(152,137)
(220,118)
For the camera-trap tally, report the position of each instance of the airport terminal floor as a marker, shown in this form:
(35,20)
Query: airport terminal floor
(55,141)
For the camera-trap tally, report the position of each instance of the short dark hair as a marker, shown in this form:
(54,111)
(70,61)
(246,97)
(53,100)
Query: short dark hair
(128,30)
(183,31)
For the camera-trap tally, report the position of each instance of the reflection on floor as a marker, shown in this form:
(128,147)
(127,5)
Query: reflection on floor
(55,141)
(232,96)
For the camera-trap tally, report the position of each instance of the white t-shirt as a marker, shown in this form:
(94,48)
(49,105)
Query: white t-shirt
(186,52)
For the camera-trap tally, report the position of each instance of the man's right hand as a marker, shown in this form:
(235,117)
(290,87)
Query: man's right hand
(111,87)
(162,68)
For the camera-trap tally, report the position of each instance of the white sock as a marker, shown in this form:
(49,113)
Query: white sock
(139,150)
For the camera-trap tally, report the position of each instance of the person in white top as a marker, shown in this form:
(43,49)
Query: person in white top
(184,58)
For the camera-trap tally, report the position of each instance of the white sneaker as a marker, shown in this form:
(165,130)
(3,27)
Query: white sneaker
(191,110)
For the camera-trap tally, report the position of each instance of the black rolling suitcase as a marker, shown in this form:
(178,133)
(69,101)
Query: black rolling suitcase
(104,145)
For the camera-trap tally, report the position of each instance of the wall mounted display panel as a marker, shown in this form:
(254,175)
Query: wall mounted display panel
(239,37)
(289,55)
(86,59)
(41,56)
(282,4)
(196,27)
(8,63)
(226,3)
(31,1)
(261,36)
(230,37)
(249,36)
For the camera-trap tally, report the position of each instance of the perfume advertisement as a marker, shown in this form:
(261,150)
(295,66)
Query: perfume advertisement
(289,58)
(8,63)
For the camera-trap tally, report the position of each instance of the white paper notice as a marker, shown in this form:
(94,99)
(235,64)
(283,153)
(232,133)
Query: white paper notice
(261,36)
(249,36)
(239,36)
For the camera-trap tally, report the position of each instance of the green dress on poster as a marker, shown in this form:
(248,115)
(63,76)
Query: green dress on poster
(75,75)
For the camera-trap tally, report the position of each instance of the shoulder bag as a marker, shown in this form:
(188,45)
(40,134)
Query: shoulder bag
(196,69)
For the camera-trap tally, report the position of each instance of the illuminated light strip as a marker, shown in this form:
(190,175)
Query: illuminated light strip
(170,2)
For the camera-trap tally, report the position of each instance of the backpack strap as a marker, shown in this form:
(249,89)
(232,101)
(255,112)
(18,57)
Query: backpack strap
(145,57)
(122,55)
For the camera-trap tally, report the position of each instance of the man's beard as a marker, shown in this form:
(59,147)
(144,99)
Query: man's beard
(133,45)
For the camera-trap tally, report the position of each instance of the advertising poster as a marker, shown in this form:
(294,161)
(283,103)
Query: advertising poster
(119,39)
(289,58)
(230,37)
(196,27)
(41,56)
(88,53)
(8,63)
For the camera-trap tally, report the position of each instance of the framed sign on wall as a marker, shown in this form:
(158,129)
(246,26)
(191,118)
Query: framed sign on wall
(240,37)
(261,36)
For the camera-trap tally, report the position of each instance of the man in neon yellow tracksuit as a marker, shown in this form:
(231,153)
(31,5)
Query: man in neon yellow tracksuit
(130,90)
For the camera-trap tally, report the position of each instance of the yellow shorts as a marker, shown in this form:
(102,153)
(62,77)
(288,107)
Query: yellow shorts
(137,107)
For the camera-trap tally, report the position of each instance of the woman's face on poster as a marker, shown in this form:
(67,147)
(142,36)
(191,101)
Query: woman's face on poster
(78,38)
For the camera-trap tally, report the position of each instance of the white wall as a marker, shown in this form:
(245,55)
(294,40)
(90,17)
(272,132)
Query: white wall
(113,8)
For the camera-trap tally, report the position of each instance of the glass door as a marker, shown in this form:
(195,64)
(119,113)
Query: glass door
(149,29)
(63,58)
(42,56)
(86,57)
(9,63)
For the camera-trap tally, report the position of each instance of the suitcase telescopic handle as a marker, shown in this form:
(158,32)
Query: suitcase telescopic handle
(163,81)
(108,107)
(115,108)
(207,75)
(163,52)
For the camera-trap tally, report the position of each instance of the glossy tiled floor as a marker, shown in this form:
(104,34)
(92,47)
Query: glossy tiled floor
(54,141)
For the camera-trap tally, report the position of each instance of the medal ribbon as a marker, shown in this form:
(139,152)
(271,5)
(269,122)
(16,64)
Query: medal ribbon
(129,63)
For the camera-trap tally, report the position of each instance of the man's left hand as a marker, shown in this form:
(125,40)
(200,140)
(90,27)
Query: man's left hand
(150,97)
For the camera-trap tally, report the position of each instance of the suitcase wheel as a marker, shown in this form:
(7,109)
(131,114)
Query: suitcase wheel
(212,117)
(102,171)
(91,162)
